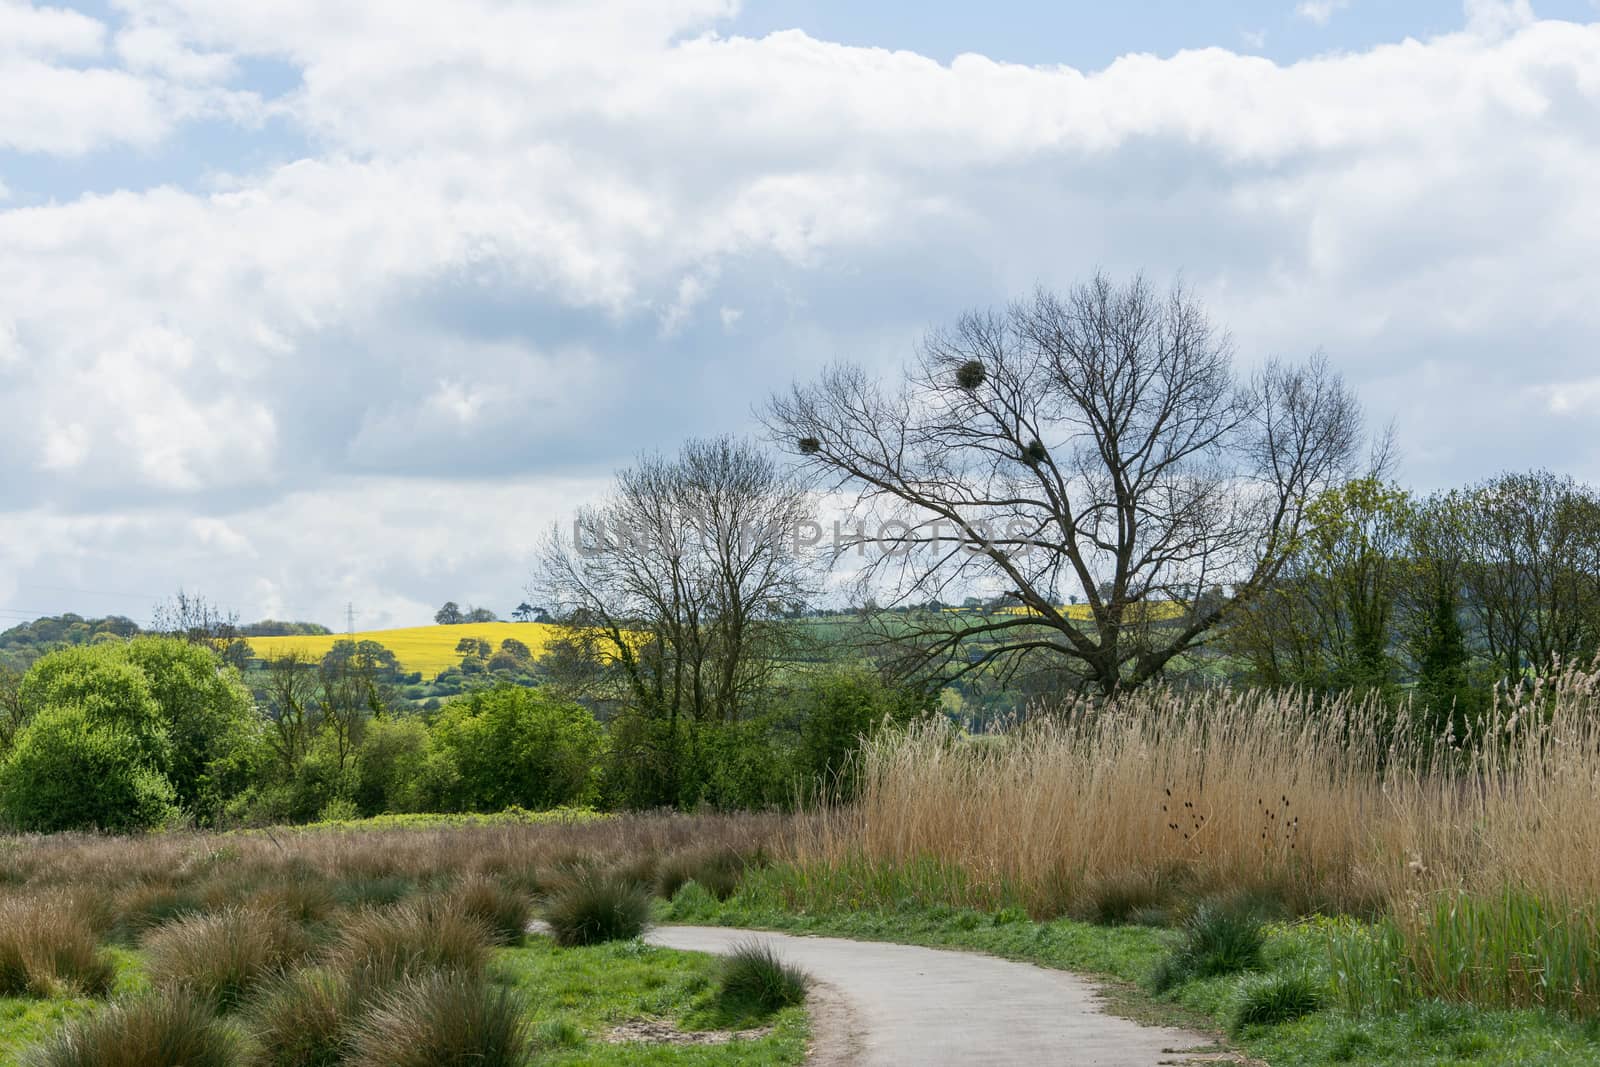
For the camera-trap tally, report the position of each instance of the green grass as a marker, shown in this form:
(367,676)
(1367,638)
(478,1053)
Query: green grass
(1123,958)
(574,997)
(26,1020)
(587,991)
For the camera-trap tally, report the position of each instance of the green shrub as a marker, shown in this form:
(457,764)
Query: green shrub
(165,1030)
(756,982)
(673,873)
(444,1020)
(691,903)
(109,689)
(71,771)
(392,944)
(220,957)
(338,809)
(836,713)
(47,948)
(1437,1018)
(595,908)
(1216,940)
(1273,999)
(209,720)
(514,746)
(392,766)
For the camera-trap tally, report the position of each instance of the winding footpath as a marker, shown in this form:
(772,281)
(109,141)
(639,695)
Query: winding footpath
(885,1005)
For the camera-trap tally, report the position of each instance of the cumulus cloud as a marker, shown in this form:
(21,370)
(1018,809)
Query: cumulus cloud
(529,241)
(1319,11)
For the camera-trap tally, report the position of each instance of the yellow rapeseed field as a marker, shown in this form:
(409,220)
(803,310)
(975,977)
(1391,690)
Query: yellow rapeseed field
(429,649)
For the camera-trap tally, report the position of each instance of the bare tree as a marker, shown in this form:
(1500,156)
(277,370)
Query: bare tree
(192,618)
(675,587)
(1098,441)
(681,576)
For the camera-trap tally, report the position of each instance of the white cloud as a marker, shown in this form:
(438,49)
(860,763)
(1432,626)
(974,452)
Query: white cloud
(159,51)
(1319,11)
(68,111)
(1496,18)
(501,256)
(1581,397)
(47,32)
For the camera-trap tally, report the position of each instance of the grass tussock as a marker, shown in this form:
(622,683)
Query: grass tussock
(389,945)
(174,1029)
(220,957)
(302,1019)
(48,948)
(1274,999)
(596,908)
(503,909)
(1217,939)
(444,1020)
(756,982)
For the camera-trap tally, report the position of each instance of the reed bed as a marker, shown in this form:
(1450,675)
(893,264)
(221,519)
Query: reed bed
(1336,806)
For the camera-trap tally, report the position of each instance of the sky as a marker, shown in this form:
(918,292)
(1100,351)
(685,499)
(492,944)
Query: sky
(312,305)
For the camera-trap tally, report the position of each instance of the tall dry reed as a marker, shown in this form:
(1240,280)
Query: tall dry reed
(1325,805)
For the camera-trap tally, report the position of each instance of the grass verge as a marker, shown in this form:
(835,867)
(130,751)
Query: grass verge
(1294,957)
(577,995)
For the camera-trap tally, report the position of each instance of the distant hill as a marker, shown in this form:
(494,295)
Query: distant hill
(21,645)
(426,649)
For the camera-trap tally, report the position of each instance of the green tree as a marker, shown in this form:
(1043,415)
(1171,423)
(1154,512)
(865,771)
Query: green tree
(73,769)
(109,688)
(1532,570)
(209,720)
(837,714)
(1328,621)
(515,746)
(394,768)
(1445,700)
(190,715)
(10,707)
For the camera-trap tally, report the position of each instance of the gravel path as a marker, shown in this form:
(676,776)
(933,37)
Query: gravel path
(879,1005)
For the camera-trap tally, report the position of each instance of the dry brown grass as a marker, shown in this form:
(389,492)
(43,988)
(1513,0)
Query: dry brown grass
(223,955)
(48,947)
(328,945)
(219,869)
(1223,792)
